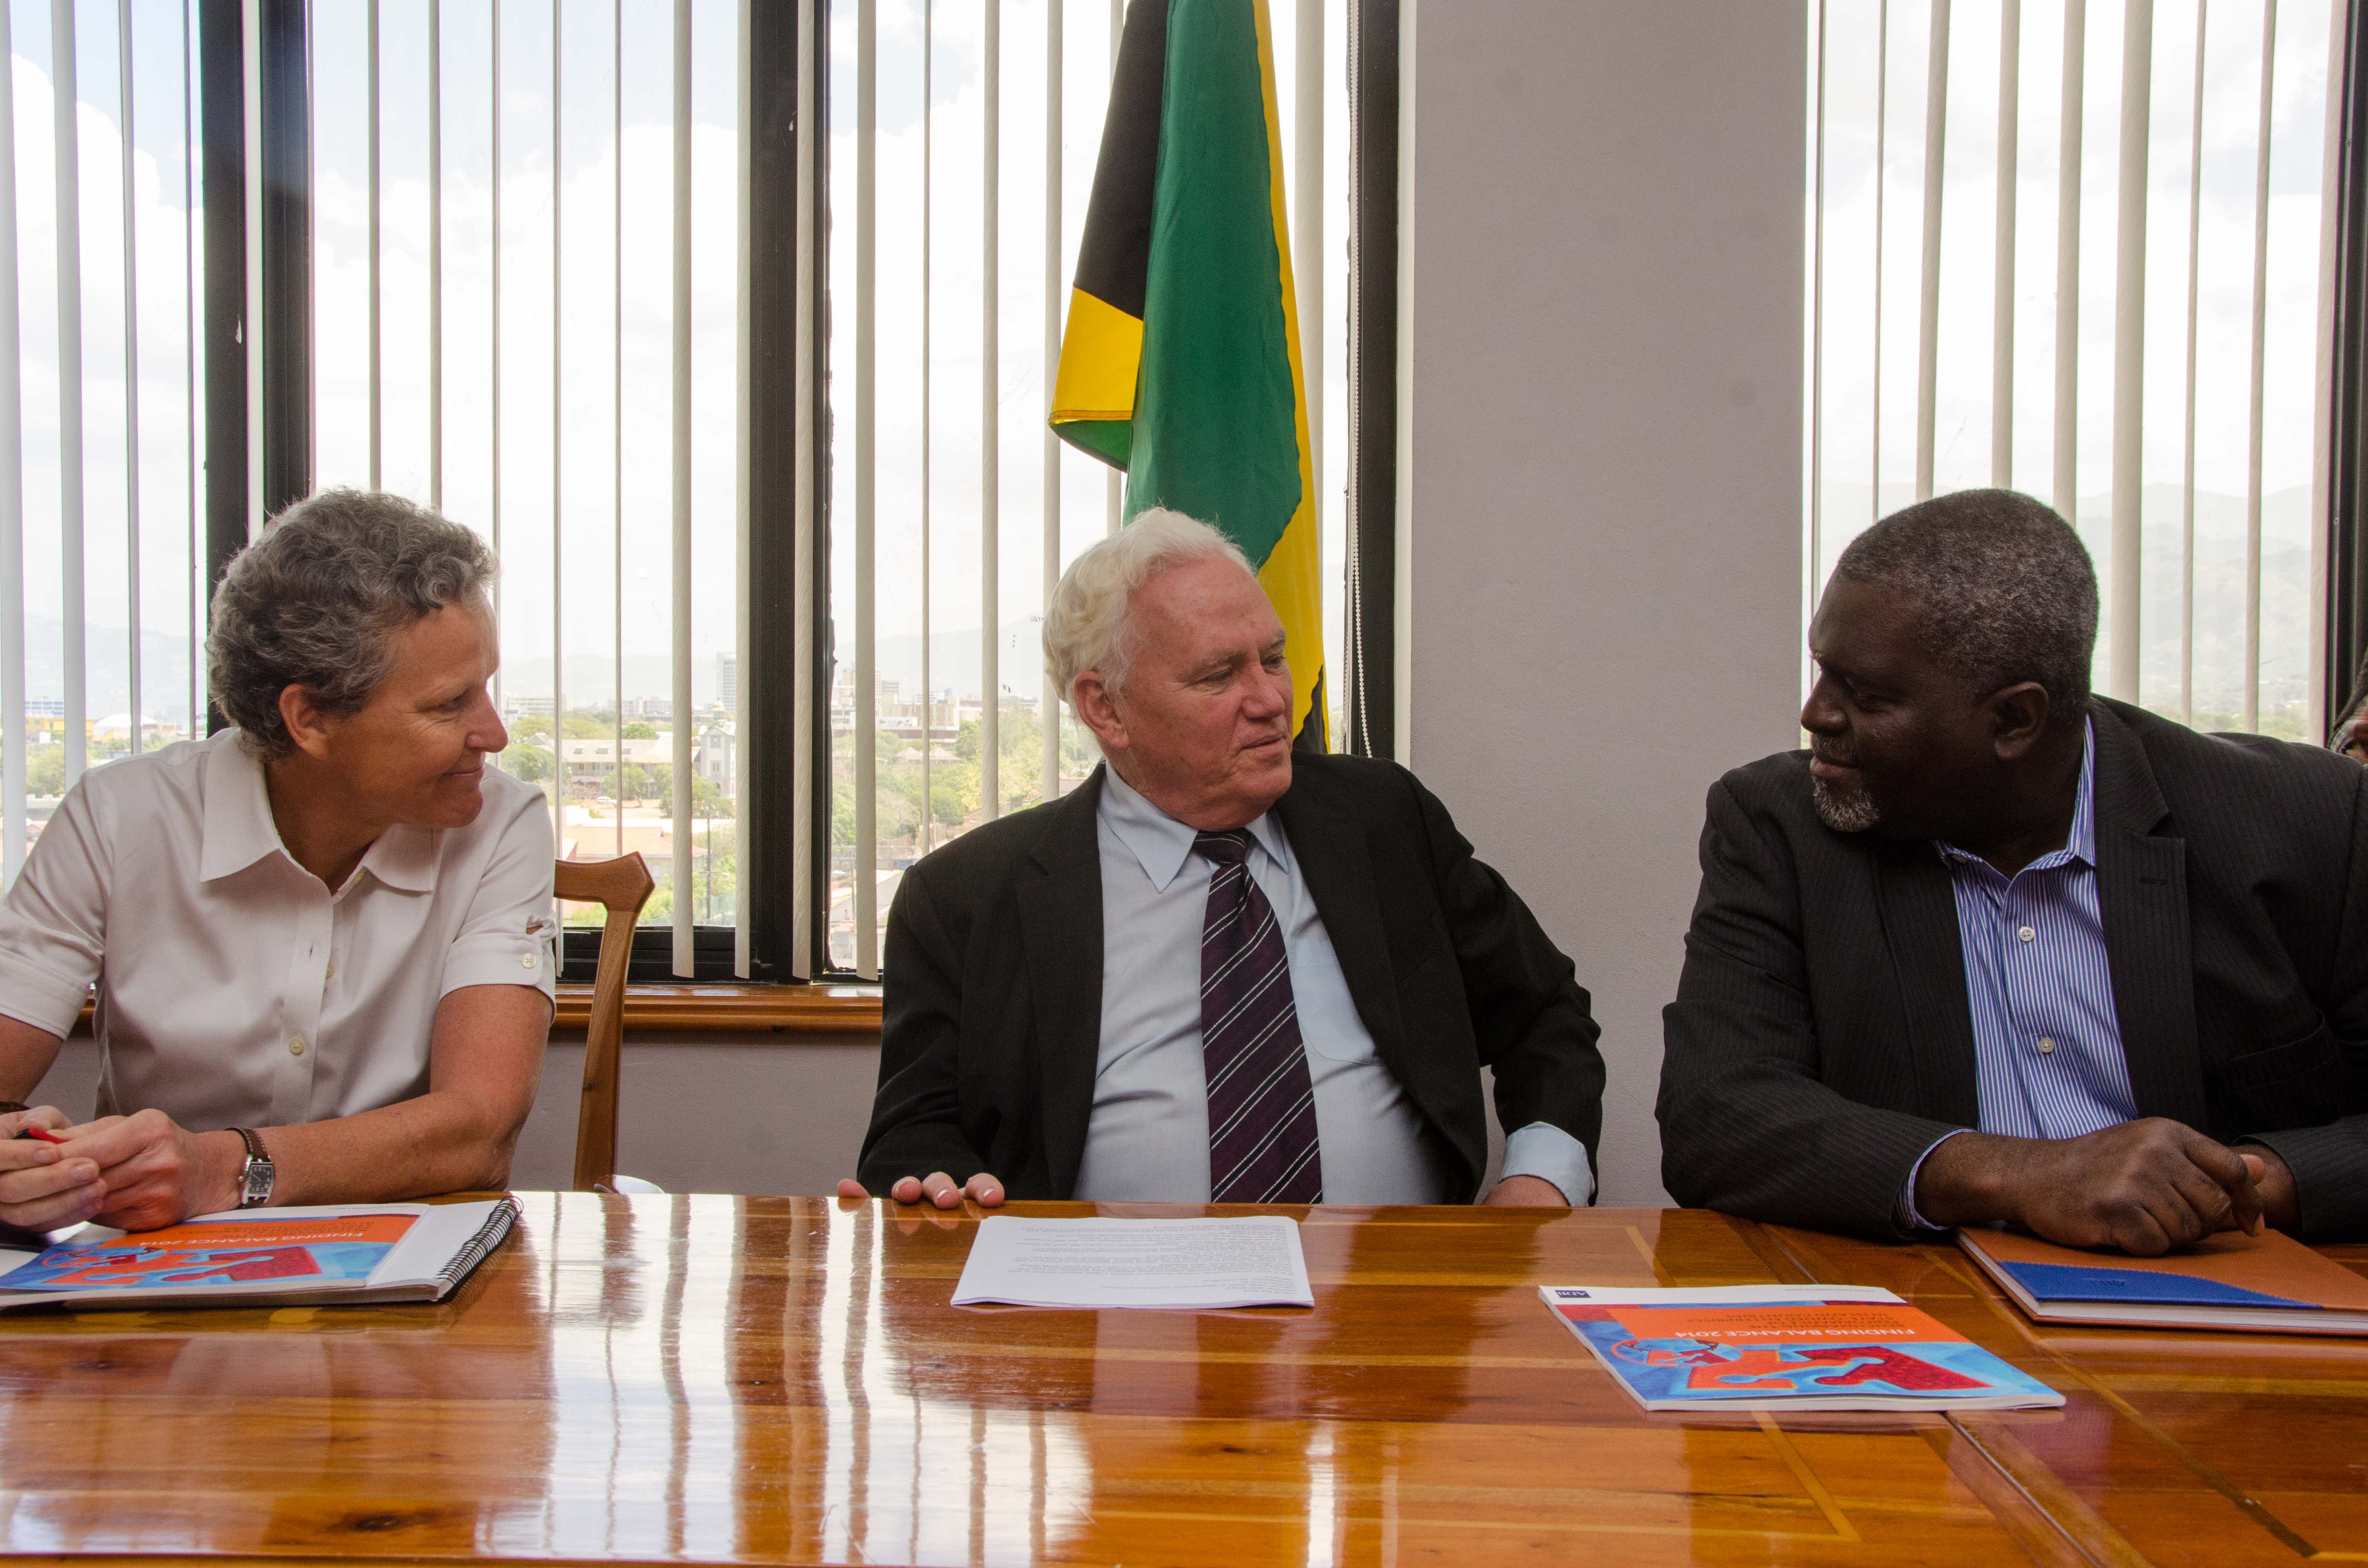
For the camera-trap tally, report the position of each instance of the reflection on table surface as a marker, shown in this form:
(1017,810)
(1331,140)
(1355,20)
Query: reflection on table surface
(782,1379)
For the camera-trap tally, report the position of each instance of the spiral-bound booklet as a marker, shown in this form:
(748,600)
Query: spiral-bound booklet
(317,1256)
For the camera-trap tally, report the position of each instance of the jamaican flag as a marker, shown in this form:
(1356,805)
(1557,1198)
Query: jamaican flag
(1181,363)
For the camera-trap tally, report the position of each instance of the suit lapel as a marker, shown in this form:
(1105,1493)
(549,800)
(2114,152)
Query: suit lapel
(1330,849)
(1061,928)
(1918,907)
(2142,896)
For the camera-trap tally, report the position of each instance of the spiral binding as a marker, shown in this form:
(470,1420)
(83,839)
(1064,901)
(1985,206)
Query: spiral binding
(489,1236)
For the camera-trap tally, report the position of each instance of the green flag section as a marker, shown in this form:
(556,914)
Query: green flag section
(1181,360)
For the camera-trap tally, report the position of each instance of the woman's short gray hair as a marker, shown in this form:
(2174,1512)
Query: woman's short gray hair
(317,601)
(1087,626)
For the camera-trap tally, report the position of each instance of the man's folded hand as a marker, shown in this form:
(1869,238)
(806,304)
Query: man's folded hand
(2142,1186)
(937,1187)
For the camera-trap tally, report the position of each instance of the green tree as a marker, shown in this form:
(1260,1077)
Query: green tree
(953,793)
(1019,748)
(707,800)
(529,763)
(637,730)
(842,809)
(45,770)
(649,781)
(530,727)
(576,726)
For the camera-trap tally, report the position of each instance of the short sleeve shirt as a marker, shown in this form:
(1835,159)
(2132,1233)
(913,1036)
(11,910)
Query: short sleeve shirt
(234,988)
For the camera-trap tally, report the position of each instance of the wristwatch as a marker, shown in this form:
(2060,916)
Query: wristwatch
(255,1178)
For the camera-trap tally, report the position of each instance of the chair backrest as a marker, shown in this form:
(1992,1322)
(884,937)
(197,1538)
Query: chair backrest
(620,886)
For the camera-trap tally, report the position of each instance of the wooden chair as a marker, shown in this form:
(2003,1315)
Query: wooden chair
(620,886)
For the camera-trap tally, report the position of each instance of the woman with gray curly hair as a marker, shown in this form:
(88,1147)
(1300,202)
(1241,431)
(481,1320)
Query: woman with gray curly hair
(320,938)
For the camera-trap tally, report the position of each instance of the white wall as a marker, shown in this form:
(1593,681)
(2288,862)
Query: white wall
(721,1113)
(1603,478)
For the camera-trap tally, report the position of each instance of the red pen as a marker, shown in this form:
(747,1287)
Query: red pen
(43,1133)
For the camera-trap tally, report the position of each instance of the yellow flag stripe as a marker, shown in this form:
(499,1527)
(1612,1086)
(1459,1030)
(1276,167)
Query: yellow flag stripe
(1291,573)
(1291,580)
(1100,354)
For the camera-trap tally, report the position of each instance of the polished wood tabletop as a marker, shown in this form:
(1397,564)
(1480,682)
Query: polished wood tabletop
(774,1380)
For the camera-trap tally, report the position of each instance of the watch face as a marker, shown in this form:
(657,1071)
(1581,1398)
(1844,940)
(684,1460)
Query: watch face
(257,1185)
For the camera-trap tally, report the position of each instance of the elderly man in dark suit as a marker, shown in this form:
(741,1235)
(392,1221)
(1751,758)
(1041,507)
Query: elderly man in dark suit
(1218,971)
(1996,950)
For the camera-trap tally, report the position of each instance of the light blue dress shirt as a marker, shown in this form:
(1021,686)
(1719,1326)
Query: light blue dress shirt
(2047,1045)
(1148,1138)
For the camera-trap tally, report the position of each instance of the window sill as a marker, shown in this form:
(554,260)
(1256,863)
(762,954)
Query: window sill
(717,1009)
(752,1009)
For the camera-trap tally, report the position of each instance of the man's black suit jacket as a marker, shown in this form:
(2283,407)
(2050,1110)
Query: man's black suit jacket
(1822,1037)
(994,982)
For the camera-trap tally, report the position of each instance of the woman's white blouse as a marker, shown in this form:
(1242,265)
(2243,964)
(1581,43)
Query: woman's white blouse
(235,990)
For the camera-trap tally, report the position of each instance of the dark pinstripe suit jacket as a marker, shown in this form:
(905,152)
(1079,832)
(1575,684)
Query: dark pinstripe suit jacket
(1822,1037)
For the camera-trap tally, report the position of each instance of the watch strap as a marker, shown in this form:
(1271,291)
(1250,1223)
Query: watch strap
(9,1108)
(257,1176)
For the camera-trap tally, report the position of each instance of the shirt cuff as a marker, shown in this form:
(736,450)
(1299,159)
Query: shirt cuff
(523,960)
(1546,1152)
(34,996)
(1905,1212)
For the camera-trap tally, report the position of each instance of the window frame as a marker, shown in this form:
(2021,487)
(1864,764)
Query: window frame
(783,818)
(2346,584)
(280,464)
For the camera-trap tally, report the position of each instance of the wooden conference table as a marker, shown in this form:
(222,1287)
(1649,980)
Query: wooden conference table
(759,1380)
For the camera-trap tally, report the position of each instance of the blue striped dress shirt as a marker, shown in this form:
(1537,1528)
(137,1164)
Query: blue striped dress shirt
(2047,1045)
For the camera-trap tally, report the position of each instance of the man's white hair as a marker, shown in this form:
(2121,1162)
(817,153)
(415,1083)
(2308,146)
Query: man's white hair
(1087,626)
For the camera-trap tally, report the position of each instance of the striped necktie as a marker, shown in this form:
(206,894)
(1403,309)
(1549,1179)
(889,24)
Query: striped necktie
(1263,1144)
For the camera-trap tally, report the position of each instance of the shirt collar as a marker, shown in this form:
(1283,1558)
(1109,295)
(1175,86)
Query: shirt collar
(2080,845)
(404,859)
(1162,845)
(238,828)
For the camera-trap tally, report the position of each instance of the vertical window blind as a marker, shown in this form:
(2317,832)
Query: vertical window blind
(102,561)
(528,285)
(527,244)
(2080,248)
(964,135)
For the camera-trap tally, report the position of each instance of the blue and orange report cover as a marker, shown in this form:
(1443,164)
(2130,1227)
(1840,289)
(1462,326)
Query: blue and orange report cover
(1786,1348)
(231,1252)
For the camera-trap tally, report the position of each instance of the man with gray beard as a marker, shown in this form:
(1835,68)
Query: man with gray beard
(1997,950)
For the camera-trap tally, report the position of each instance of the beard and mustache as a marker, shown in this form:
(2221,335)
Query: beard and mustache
(1846,807)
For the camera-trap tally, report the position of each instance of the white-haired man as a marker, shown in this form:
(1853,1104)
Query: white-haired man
(1217,971)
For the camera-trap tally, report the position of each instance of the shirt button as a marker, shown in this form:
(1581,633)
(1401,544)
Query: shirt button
(2046,1046)
(2026,934)
(296,1045)
(528,961)
(333,971)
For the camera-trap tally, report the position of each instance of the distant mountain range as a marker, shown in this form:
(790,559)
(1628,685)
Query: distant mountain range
(107,662)
(955,655)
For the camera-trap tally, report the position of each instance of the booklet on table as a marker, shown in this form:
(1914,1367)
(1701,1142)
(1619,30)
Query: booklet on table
(2265,1284)
(1799,1348)
(356,1252)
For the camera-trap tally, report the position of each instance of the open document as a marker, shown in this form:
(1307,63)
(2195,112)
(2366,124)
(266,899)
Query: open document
(1136,1263)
